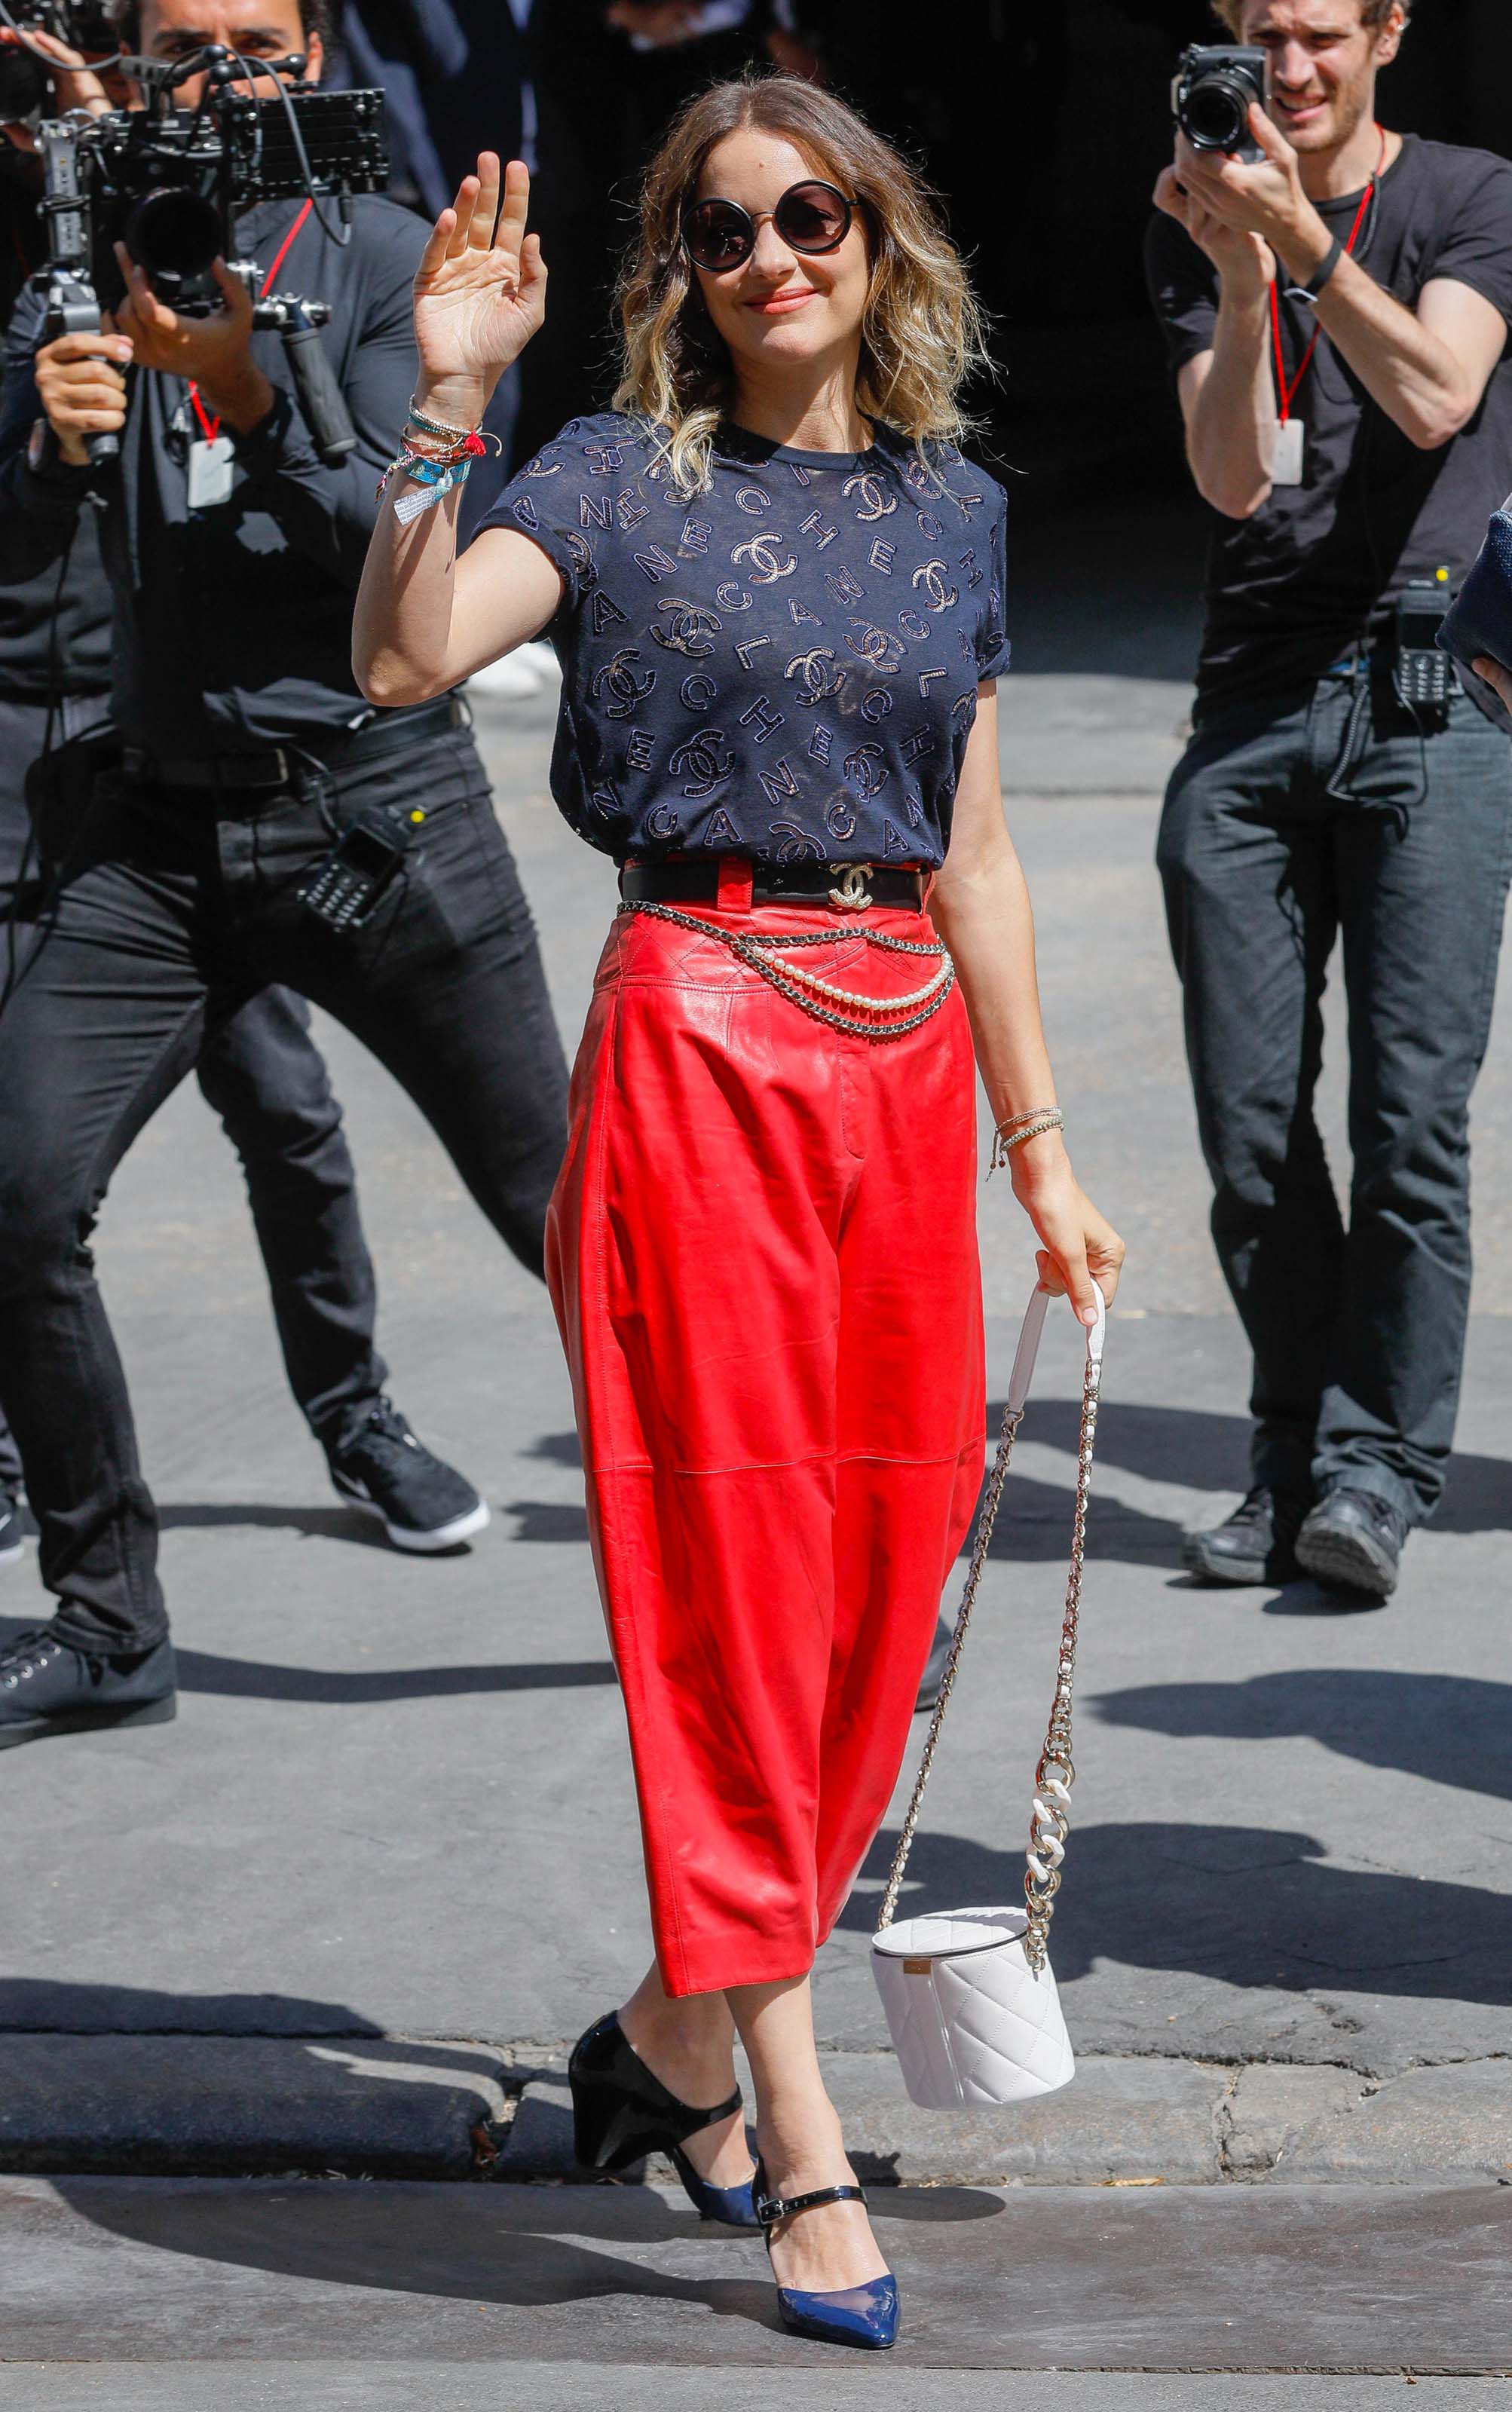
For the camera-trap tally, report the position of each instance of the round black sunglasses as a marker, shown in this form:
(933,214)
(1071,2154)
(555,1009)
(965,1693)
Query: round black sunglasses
(811,217)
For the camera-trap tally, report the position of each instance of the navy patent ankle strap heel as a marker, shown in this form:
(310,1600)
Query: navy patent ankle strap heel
(864,2316)
(621,2111)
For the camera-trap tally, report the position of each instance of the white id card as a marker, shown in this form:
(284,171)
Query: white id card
(210,472)
(1291,453)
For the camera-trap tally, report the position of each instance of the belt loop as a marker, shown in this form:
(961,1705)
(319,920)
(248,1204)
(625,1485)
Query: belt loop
(737,883)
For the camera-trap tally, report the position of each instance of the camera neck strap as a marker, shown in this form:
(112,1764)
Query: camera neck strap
(1287,395)
(209,428)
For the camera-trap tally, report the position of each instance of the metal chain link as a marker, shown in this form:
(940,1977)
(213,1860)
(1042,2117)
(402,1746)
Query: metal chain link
(1055,1774)
(747,944)
(1050,1819)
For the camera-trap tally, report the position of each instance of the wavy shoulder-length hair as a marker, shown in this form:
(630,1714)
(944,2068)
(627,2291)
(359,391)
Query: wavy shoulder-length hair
(922,332)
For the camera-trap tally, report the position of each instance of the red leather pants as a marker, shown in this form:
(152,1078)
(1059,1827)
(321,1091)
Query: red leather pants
(762,1253)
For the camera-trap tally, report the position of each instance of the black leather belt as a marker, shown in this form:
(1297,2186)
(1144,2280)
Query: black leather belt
(849,887)
(277,766)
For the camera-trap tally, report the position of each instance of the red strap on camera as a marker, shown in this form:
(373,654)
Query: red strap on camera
(212,428)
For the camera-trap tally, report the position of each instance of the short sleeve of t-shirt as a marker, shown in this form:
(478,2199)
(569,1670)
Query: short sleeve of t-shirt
(1184,287)
(994,651)
(542,502)
(1472,242)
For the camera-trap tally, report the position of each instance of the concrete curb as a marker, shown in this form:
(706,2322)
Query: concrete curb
(179,2106)
(246,2105)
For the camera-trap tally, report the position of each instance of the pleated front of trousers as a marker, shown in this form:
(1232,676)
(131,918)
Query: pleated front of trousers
(762,1253)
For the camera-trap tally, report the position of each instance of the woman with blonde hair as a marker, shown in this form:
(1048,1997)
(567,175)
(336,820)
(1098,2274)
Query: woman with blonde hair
(776,589)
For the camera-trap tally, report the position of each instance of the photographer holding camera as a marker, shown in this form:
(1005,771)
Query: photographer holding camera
(1336,307)
(262,1073)
(266,828)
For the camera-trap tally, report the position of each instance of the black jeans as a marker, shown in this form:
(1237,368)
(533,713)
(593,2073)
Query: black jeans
(1286,824)
(177,909)
(263,1075)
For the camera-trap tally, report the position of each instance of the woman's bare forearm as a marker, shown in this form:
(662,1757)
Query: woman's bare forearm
(982,911)
(426,618)
(401,632)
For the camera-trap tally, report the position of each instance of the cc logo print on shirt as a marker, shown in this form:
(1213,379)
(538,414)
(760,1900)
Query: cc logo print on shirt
(688,628)
(876,503)
(706,761)
(866,769)
(816,675)
(761,551)
(618,680)
(878,646)
(933,578)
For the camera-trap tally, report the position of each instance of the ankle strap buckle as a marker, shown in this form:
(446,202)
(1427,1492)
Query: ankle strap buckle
(770,2208)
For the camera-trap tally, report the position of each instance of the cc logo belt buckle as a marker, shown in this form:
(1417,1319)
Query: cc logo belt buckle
(852,894)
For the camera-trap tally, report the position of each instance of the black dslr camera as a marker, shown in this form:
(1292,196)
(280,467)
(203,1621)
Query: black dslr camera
(26,76)
(1214,90)
(168,182)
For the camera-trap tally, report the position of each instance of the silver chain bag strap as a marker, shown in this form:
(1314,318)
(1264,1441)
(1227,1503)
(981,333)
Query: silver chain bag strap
(969,1999)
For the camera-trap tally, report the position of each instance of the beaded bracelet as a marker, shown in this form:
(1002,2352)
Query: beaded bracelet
(1034,1126)
(437,426)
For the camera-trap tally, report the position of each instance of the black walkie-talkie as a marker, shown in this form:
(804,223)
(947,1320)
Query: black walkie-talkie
(343,889)
(1422,674)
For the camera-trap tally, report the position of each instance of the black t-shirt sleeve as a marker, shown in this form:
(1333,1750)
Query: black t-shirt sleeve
(1183,288)
(546,500)
(994,650)
(1475,247)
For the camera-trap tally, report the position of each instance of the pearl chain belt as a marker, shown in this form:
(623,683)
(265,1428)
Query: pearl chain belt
(878,1019)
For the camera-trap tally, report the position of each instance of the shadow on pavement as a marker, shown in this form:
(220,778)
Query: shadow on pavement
(38,2006)
(1248,1904)
(1206,1451)
(201,1670)
(1450,1729)
(256,1678)
(313,1523)
(523,2246)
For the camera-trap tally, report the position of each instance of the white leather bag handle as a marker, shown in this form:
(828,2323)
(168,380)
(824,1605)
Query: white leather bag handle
(1055,1774)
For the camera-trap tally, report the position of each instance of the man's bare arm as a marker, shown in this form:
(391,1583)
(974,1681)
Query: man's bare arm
(1427,368)
(1227,396)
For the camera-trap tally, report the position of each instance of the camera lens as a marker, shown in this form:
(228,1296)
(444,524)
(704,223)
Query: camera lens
(1217,113)
(23,84)
(174,233)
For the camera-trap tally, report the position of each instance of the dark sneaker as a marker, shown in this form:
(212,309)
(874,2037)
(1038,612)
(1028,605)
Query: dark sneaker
(933,1675)
(387,1472)
(51,1687)
(1254,1545)
(1354,1539)
(10,1541)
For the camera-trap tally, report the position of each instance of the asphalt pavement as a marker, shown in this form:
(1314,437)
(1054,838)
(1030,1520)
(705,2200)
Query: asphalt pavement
(346,1913)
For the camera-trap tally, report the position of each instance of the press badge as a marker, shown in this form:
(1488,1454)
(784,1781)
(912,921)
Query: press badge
(210,471)
(1291,452)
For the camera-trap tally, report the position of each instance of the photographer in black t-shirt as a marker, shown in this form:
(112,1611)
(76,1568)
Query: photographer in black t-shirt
(234,553)
(1337,316)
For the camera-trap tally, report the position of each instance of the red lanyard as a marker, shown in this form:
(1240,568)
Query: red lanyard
(1289,392)
(210,427)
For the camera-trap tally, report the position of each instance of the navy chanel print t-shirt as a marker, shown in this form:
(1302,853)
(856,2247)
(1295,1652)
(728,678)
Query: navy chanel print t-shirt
(784,666)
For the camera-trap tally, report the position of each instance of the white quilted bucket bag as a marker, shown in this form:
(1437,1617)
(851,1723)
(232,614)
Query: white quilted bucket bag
(969,1999)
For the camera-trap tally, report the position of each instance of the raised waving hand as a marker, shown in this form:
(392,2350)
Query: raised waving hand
(480,292)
